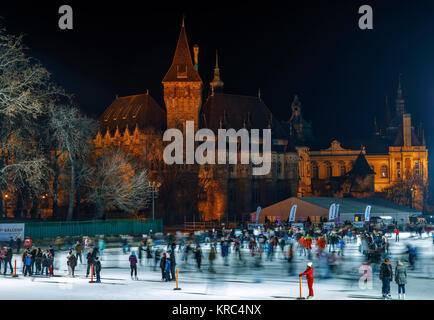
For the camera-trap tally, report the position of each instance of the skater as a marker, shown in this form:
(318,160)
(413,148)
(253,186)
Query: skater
(97,269)
(78,250)
(140,249)
(157,258)
(168,267)
(27,265)
(72,263)
(101,246)
(172,264)
(396,234)
(18,242)
(90,257)
(8,259)
(386,275)
(28,243)
(401,279)
(38,261)
(211,258)
(45,262)
(133,265)
(163,266)
(309,277)
(198,256)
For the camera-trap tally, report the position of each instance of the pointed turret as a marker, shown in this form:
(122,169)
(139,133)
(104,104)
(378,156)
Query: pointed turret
(182,68)
(182,87)
(361,167)
(399,102)
(216,84)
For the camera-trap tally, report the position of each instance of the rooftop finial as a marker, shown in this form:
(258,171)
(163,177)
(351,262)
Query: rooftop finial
(259,93)
(183,18)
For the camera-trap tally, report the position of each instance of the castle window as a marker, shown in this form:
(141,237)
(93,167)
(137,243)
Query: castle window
(416,168)
(279,168)
(384,171)
(181,71)
(343,169)
(398,169)
(328,171)
(315,171)
(398,173)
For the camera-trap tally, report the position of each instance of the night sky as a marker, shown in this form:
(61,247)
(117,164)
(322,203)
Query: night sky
(313,48)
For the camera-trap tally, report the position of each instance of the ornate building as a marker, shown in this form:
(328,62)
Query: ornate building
(393,154)
(231,191)
(298,166)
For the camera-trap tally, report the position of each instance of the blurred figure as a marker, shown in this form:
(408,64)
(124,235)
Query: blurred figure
(133,265)
(211,258)
(101,246)
(401,279)
(341,245)
(71,262)
(386,275)
(309,277)
(396,234)
(198,256)
(163,266)
(78,249)
(365,276)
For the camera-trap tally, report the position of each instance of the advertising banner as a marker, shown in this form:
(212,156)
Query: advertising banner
(13,230)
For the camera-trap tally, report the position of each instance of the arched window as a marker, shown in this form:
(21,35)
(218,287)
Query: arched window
(384,171)
(342,168)
(329,170)
(314,170)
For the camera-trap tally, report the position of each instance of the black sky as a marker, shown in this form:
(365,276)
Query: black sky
(313,48)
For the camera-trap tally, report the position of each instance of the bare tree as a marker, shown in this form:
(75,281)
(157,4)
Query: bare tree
(25,94)
(73,133)
(117,183)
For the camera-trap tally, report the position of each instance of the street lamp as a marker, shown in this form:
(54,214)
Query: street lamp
(413,189)
(155,186)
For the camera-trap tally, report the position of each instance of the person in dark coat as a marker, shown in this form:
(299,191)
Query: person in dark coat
(386,275)
(309,277)
(45,262)
(133,264)
(90,258)
(18,243)
(11,243)
(401,279)
(172,264)
(163,266)
(72,263)
(33,254)
(38,261)
(8,259)
(97,268)
(198,256)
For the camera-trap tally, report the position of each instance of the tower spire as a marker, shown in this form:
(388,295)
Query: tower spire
(216,84)
(399,102)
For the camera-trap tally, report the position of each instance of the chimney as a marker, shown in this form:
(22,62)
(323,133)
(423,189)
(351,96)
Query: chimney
(406,128)
(196,57)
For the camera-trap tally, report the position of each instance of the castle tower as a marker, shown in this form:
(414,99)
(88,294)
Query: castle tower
(182,87)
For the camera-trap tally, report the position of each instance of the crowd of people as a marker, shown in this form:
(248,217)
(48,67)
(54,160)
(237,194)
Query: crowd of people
(321,248)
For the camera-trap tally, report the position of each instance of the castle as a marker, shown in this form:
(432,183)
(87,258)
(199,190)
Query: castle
(231,191)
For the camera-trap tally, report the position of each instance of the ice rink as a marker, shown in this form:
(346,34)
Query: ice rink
(236,281)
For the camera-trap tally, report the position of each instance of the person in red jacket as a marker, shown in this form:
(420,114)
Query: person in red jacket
(28,243)
(309,276)
(396,234)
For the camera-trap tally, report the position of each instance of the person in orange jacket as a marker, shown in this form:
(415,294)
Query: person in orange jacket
(309,277)
(301,246)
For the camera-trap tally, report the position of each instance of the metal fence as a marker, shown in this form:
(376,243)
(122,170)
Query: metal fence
(51,230)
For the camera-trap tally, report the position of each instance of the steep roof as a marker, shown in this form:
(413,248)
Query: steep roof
(361,167)
(182,68)
(140,109)
(237,111)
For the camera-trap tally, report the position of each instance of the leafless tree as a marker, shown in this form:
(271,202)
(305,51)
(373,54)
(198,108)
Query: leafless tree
(117,183)
(73,133)
(25,93)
